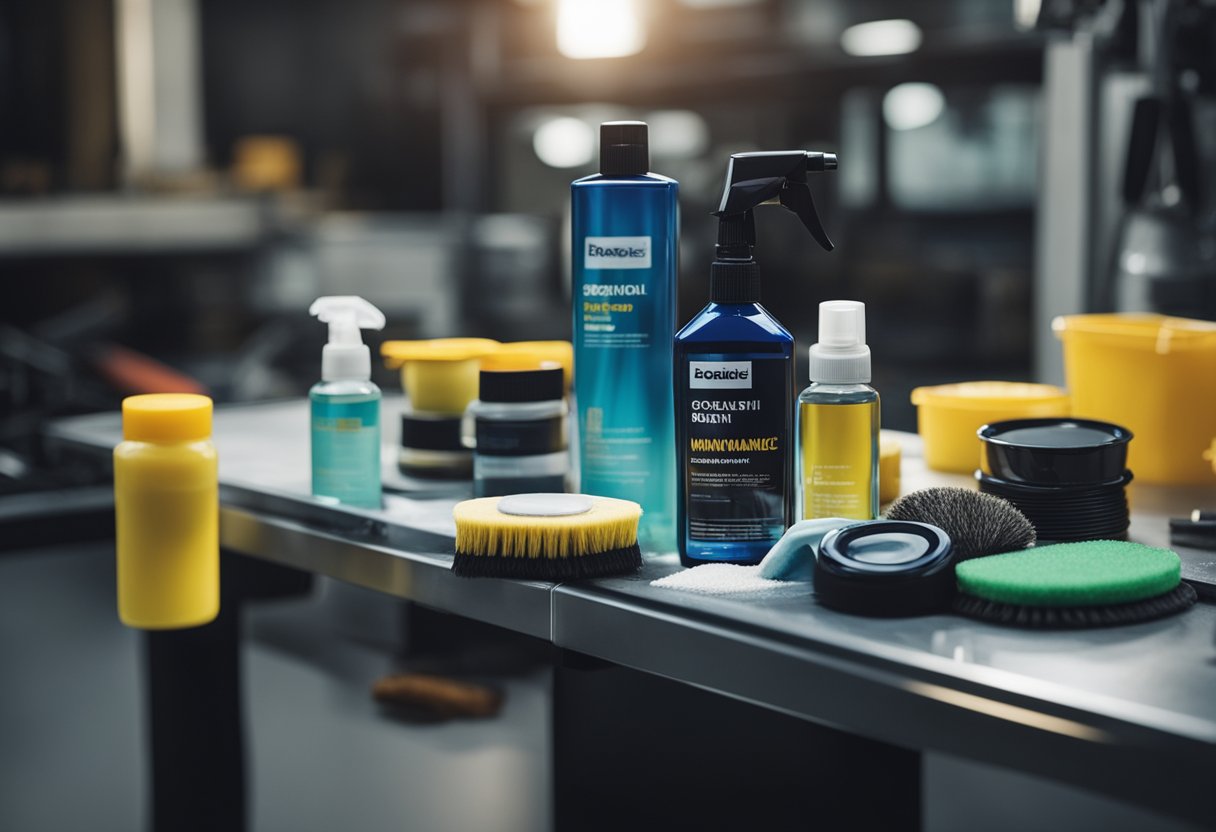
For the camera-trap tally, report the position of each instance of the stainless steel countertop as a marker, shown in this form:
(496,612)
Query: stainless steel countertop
(1129,712)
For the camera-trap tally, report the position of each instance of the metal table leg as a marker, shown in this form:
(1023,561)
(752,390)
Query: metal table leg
(636,751)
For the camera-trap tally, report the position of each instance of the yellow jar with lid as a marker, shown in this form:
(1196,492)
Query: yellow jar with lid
(440,375)
(166,506)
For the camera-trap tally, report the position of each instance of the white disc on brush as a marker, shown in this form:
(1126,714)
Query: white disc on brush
(545,505)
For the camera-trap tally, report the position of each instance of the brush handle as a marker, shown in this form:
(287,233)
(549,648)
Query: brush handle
(446,697)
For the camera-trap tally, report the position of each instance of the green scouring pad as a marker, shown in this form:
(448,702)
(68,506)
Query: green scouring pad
(1094,583)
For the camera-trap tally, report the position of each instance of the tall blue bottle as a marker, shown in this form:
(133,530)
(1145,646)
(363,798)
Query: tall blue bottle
(734,418)
(625,248)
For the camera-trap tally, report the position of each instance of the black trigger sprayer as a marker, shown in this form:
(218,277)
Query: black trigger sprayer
(754,179)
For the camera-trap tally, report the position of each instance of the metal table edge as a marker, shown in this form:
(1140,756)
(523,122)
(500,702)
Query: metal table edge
(986,682)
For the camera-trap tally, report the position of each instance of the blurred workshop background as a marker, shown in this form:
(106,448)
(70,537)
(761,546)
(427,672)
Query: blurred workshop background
(180,178)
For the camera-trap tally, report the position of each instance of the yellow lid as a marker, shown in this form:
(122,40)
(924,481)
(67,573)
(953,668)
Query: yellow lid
(532,355)
(888,447)
(166,417)
(987,394)
(396,353)
(889,458)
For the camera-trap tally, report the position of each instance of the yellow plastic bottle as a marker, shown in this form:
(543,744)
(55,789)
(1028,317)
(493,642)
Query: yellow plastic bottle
(166,504)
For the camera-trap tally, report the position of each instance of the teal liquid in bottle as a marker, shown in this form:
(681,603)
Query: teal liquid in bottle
(625,238)
(346,442)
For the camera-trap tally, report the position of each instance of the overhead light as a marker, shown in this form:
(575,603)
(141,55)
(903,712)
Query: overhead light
(1026,13)
(718,4)
(564,142)
(881,37)
(599,28)
(677,134)
(912,105)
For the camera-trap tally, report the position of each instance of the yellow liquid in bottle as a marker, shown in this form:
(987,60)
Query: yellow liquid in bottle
(166,504)
(838,460)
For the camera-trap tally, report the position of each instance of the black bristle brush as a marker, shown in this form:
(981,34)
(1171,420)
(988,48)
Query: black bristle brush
(978,524)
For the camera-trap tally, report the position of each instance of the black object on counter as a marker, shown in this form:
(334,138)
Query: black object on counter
(1068,513)
(1043,452)
(432,448)
(1197,531)
(1068,476)
(886,568)
(978,524)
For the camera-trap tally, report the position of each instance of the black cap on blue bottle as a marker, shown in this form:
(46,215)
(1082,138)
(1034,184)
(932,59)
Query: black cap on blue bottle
(624,148)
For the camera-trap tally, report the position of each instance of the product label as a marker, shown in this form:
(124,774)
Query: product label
(839,475)
(616,253)
(720,374)
(736,420)
(519,437)
(615,310)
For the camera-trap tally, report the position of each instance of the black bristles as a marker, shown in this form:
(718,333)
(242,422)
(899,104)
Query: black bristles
(1072,618)
(978,524)
(594,565)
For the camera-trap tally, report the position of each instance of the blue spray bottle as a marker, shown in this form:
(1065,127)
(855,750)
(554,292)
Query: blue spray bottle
(625,238)
(734,372)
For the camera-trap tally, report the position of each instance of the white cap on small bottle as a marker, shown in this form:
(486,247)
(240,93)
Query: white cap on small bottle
(346,357)
(841,355)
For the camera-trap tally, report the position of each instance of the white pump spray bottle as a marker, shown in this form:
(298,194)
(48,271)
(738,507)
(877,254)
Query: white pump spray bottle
(346,406)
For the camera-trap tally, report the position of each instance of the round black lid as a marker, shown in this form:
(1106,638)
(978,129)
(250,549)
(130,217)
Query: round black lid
(886,568)
(1056,451)
(624,148)
(431,433)
(514,386)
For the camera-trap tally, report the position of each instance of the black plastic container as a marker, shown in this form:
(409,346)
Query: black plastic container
(1055,451)
(431,447)
(1068,476)
(886,568)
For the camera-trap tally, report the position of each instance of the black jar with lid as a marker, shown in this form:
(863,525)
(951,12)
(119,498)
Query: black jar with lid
(1068,476)
(517,426)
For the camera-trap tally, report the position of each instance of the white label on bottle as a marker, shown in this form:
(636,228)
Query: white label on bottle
(720,374)
(616,253)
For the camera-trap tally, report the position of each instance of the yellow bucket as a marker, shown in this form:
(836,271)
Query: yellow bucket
(1154,375)
(948,416)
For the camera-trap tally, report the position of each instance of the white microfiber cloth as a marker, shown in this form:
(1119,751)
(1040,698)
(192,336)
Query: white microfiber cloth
(729,579)
(784,571)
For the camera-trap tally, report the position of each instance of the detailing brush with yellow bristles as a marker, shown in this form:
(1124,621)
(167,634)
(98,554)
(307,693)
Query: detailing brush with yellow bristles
(546,537)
